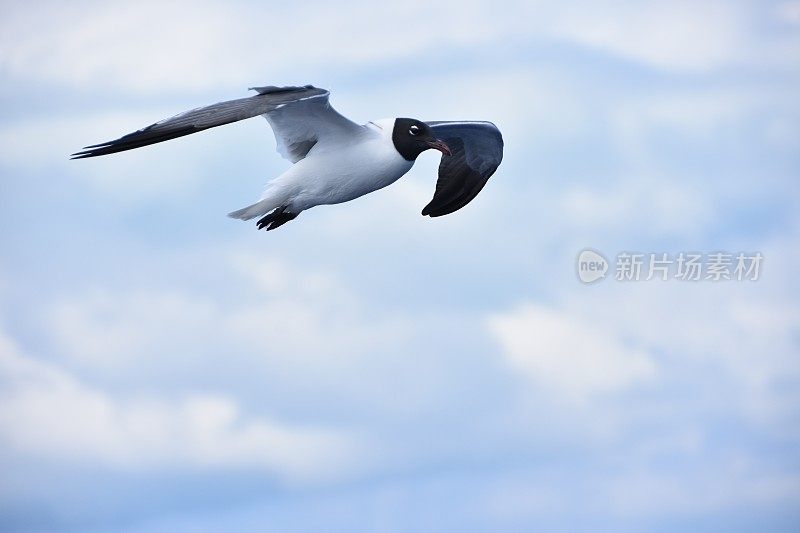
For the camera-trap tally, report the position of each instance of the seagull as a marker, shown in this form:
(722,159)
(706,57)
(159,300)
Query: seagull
(334,159)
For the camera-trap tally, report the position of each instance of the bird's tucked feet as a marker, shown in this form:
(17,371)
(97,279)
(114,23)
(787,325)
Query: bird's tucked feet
(276,218)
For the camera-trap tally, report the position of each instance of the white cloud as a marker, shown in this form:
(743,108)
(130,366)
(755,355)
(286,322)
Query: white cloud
(700,116)
(723,483)
(569,357)
(158,47)
(47,413)
(667,206)
(680,35)
(150,46)
(669,34)
(661,374)
(745,333)
(789,12)
(106,329)
(295,316)
(45,144)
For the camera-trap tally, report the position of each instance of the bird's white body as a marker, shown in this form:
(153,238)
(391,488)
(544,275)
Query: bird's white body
(335,172)
(335,159)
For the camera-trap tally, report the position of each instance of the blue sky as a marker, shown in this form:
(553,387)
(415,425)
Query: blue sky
(164,368)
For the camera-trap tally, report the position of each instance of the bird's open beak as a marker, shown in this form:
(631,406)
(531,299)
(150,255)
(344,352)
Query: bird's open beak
(438,144)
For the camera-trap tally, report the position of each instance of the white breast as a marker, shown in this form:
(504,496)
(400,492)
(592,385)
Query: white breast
(339,173)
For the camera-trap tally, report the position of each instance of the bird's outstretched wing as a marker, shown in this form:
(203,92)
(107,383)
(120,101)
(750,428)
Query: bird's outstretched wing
(301,123)
(477,150)
(299,116)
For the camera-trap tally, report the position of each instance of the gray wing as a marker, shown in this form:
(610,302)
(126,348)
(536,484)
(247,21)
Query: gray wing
(477,150)
(299,116)
(305,121)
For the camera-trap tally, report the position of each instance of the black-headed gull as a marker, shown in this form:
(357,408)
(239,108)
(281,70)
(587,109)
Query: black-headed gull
(335,159)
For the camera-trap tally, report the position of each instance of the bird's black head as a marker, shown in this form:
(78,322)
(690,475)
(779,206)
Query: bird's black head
(412,137)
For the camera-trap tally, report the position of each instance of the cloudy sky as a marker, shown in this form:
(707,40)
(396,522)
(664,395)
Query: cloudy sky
(164,368)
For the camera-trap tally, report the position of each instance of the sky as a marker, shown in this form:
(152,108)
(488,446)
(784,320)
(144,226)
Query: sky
(164,368)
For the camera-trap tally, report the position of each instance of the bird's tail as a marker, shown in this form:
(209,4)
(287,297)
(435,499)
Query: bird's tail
(277,194)
(259,208)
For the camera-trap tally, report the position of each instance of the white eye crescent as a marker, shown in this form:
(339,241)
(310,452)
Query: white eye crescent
(413,130)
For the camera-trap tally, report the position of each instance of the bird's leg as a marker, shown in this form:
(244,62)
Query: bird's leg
(282,219)
(276,218)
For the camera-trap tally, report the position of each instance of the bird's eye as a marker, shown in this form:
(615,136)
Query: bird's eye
(414,130)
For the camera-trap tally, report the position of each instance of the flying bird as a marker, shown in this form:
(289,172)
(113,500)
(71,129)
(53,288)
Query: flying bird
(335,159)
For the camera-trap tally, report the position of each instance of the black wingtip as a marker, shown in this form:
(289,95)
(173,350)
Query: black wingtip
(89,151)
(137,139)
(101,145)
(430,213)
(445,205)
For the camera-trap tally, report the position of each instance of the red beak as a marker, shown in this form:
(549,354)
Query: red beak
(438,144)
